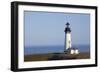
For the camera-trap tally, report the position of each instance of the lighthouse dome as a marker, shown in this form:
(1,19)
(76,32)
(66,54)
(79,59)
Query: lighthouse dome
(67,29)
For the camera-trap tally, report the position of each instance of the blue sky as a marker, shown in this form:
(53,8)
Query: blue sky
(47,28)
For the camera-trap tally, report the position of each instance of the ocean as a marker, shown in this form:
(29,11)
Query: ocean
(53,49)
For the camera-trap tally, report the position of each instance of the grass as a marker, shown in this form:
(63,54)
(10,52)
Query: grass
(55,56)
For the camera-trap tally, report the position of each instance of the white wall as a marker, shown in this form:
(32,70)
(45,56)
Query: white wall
(5,35)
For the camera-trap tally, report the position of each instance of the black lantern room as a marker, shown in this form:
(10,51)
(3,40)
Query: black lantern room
(67,29)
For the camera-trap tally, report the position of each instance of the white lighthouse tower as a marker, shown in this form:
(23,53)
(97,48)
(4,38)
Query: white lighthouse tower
(67,37)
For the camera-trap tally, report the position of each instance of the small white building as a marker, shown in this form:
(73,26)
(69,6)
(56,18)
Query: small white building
(72,51)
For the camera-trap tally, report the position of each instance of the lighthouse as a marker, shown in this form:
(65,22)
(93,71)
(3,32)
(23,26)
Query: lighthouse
(67,37)
(68,42)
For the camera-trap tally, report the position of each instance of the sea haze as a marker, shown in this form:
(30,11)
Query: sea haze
(52,49)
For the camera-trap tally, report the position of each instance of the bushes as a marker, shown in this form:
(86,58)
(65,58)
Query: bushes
(56,56)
